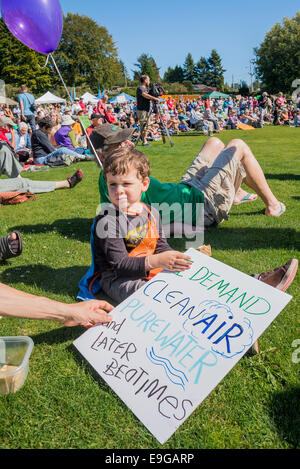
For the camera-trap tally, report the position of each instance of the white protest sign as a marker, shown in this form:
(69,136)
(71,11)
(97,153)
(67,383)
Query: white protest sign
(177,337)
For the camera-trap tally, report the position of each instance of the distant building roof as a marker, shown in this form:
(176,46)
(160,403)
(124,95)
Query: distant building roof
(203,88)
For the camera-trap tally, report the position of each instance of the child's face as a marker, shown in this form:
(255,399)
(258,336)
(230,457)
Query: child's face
(125,190)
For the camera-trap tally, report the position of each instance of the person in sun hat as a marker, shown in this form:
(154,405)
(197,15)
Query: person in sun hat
(65,136)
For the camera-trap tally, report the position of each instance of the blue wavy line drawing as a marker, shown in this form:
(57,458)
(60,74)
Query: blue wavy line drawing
(166,371)
(168,361)
(163,361)
(160,361)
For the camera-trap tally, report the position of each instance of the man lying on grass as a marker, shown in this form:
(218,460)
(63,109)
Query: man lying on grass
(214,178)
(129,246)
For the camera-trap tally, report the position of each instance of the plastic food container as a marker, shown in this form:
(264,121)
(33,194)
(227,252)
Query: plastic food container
(14,362)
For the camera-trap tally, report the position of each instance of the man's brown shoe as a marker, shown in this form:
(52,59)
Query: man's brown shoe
(280,277)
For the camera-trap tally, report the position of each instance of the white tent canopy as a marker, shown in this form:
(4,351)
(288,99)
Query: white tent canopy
(49,98)
(10,102)
(89,98)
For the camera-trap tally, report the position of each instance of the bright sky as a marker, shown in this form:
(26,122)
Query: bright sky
(169,29)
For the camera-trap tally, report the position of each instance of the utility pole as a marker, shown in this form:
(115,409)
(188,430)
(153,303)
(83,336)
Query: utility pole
(124,71)
(251,73)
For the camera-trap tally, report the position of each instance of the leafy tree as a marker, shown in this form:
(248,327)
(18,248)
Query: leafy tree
(175,88)
(189,86)
(146,65)
(244,89)
(216,71)
(87,54)
(124,70)
(174,75)
(189,68)
(19,64)
(202,70)
(278,56)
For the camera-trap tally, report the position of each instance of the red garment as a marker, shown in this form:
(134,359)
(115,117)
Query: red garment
(89,130)
(101,107)
(82,105)
(12,198)
(109,116)
(170,104)
(3,137)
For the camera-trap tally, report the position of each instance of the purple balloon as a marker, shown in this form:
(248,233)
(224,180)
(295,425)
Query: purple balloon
(36,23)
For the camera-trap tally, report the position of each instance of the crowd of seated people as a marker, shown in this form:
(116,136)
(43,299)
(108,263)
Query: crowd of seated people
(177,115)
(213,115)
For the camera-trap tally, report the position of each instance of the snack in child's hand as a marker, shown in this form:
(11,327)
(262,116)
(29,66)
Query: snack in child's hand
(205,249)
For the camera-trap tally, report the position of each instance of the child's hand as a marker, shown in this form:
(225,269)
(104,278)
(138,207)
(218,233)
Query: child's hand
(173,261)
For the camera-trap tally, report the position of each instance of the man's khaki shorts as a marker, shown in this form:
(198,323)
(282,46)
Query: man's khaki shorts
(143,118)
(218,181)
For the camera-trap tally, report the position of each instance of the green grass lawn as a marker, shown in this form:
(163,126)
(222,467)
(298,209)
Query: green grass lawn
(64,405)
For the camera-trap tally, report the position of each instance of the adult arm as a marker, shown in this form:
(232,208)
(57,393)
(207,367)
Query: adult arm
(18,304)
(12,141)
(45,143)
(148,96)
(72,137)
(21,106)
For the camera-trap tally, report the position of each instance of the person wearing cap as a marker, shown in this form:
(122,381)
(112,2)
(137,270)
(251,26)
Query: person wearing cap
(170,103)
(7,128)
(96,120)
(263,103)
(75,106)
(82,105)
(109,115)
(214,178)
(41,147)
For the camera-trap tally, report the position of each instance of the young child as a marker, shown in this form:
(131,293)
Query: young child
(129,246)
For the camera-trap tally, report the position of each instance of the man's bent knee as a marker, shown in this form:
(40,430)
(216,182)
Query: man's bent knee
(236,142)
(215,144)
(215,141)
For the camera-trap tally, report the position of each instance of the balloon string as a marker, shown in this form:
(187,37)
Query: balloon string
(56,67)
(45,63)
(86,134)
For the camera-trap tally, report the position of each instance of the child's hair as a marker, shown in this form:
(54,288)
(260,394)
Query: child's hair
(123,159)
